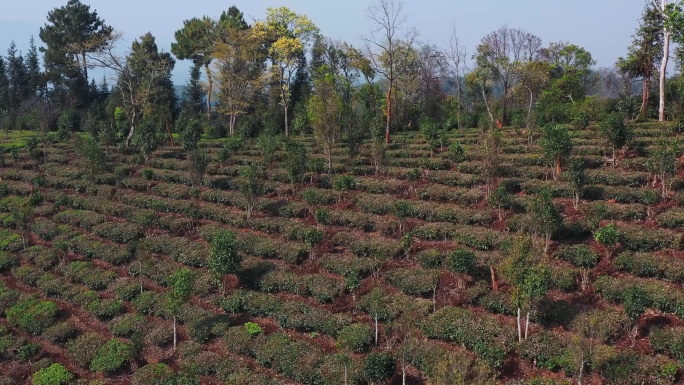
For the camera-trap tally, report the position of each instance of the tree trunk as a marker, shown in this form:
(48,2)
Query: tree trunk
(210,85)
(403,375)
(492,272)
(529,110)
(663,63)
(174,333)
(527,324)
(519,326)
(489,112)
(389,114)
(287,123)
(376,329)
(130,135)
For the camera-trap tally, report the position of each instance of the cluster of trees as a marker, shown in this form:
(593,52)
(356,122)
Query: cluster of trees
(281,75)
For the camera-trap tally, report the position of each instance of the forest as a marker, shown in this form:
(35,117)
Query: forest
(303,211)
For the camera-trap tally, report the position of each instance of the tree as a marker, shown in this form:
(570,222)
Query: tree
(490,140)
(544,216)
(290,33)
(616,132)
(533,76)
(636,301)
(646,50)
(72,33)
(224,257)
(666,14)
(457,57)
(198,161)
(193,93)
(181,283)
(195,42)
(144,85)
(34,78)
(251,186)
(571,75)
(663,163)
(324,114)
(238,69)
(295,161)
(378,367)
(530,279)
(608,236)
(578,179)
(17,81)
(375,304)
(500,53)
(556,146)
(386,49)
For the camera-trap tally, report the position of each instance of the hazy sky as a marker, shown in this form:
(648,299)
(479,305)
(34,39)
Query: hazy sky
(603,27)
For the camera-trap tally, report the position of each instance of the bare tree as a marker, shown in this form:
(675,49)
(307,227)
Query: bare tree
(386,48)
(457,54)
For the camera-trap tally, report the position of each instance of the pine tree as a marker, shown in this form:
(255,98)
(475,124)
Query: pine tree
(193,94)
(33,74)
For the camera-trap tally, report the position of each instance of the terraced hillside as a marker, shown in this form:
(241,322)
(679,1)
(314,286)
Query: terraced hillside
(346,277)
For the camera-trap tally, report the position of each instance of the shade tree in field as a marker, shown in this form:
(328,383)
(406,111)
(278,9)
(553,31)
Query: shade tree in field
(181,283)
(528,276)
(556,146)
(663,163)
(224,257)
(578,178)
(544,217)
(324,110)
(375,305)
(616,132)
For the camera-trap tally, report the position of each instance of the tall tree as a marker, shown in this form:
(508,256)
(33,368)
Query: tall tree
(571,74)
(195,42)
(72,32)
(324,114)
(290,33)
(143,82)
(237,70)
(193,93)
(224,257)
(386,48)
(17,81)
(644,53)
(500,53)
(181,283)
(662,7)
(34,77)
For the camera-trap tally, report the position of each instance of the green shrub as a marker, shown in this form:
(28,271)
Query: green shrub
(414,281)
(430,258)
(153,374)
(82,349)
(378,366)
(545,349)
(253,329)
(355,337)
(32,315)
(668,341)
(461,261)
(54,374)
(579,255)
(60,332)
(111,356)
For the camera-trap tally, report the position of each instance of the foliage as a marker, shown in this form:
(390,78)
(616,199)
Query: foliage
(224,257)
(378,366)
(355,337)
(556,146)
(111,356)
(32,314)
(54,374)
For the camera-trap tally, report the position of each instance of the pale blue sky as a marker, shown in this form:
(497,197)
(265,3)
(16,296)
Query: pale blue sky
(604,27)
